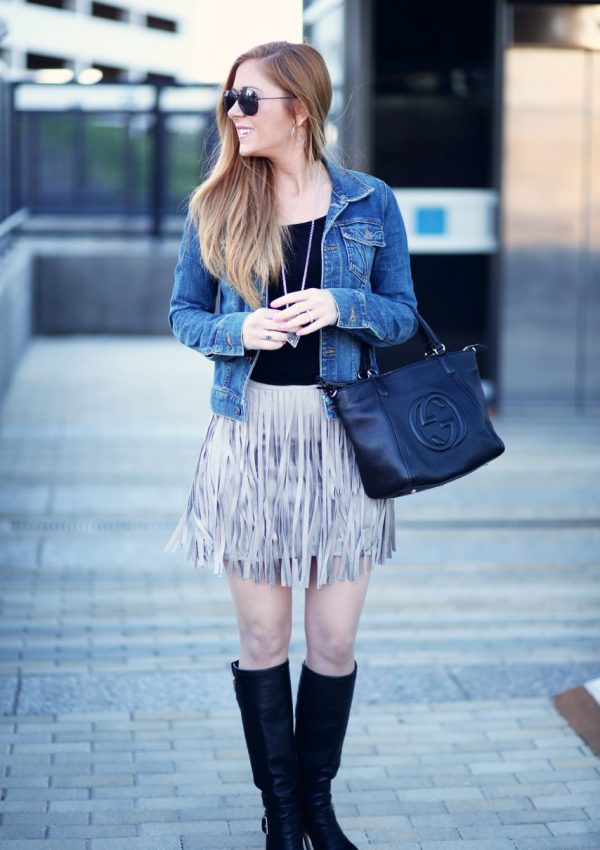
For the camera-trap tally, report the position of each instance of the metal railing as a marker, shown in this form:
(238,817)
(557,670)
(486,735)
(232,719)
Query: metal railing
(126,150)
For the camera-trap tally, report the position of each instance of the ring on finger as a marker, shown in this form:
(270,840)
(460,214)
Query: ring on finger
(268,336)
(310,314)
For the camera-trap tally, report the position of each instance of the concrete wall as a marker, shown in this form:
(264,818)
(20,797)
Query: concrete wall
(103,285)
(549,324)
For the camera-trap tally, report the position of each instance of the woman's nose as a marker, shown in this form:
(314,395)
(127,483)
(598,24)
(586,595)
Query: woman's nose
(235,111)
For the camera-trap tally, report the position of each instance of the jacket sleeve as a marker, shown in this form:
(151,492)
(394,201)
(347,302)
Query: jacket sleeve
(192,314)
(380,314)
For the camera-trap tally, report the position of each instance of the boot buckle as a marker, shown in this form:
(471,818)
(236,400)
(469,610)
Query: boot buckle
(265,825)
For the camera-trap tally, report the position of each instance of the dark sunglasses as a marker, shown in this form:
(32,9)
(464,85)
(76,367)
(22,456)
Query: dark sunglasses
(248,99)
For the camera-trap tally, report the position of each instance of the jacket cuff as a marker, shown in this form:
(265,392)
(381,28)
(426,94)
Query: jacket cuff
(352,308)
(228,339)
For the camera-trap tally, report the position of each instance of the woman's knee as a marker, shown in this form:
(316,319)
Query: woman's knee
(264,644)
(331,647)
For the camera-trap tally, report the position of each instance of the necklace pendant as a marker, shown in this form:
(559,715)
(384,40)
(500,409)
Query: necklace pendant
(293,339)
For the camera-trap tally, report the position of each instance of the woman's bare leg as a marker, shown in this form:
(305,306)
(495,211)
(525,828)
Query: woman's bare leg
(331,619)
(264,617)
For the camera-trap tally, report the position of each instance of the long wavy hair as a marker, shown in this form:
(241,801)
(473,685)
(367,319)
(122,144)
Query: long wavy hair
(235,209)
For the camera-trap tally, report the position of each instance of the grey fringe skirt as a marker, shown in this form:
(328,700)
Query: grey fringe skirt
(271,493)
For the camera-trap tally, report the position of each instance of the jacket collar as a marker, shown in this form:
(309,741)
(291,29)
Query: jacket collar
(347,186)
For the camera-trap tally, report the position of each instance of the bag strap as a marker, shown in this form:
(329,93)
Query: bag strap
(431,342)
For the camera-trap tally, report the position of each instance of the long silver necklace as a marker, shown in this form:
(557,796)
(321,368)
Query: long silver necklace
(292,337)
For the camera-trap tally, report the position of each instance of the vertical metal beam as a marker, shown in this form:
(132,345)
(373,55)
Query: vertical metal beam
(16,152)
(159,163)
(129,165)
(584,282)
(357,121)
(493,317)
(80,163)
(5,169)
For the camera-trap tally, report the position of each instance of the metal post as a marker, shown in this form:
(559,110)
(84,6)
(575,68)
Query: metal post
(359,75)
(5,130)
(158,165)
(494,310)
(15,153)
(80,163)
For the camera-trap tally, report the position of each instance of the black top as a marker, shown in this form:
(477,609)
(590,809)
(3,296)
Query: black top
(300,365)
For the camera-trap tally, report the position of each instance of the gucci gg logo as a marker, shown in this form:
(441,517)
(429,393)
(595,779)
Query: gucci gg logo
(437,422)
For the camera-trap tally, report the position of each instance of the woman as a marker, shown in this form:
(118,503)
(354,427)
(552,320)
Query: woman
(310,265)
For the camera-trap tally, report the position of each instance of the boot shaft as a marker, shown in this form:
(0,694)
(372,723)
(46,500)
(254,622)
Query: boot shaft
(265,700)
(323,705)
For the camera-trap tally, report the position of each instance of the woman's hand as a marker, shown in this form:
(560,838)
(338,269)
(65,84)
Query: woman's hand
(306,310)
(263,328)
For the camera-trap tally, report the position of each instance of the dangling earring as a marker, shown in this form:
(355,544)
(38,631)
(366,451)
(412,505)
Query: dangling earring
(296,137)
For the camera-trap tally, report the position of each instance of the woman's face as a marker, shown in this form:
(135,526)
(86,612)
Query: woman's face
(269,132)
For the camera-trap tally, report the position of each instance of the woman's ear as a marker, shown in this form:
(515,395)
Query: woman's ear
(300,114)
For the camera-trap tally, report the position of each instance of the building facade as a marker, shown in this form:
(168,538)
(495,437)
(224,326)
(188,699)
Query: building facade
(128,41)
(484,116)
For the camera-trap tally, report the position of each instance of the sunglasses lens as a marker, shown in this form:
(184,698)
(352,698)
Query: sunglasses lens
(248,101)
(229,98)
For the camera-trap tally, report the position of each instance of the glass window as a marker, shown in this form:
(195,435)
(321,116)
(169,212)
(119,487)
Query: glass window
(155,23)
(110,12)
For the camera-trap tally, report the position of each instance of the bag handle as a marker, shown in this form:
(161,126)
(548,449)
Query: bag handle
(431,343)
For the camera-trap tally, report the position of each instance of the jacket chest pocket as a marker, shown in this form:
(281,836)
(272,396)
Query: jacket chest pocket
(361,239)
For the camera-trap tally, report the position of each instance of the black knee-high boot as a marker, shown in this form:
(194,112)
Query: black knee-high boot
(322,711)
(265,700)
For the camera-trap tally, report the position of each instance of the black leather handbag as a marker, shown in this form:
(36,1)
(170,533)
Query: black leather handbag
(418,426)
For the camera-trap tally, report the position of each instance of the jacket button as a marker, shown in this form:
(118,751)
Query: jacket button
(238,410)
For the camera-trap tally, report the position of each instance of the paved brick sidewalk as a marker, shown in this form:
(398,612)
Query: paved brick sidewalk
(120,727)
(486,774)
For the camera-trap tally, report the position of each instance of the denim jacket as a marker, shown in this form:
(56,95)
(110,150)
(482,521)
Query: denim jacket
(365,267)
